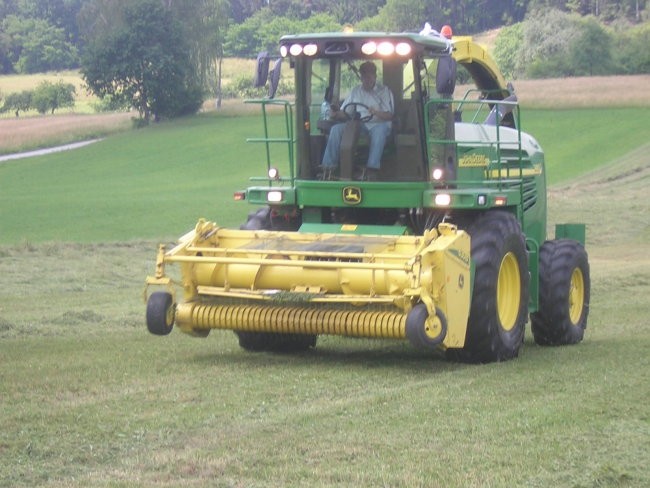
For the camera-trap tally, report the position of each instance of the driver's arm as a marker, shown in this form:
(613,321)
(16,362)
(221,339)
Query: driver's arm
(380,114)
(336,113)
(387,101)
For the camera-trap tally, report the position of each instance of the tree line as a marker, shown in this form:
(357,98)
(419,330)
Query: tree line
(164,56)
(45,35)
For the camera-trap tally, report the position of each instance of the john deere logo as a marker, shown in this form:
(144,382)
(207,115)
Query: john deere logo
(352,195)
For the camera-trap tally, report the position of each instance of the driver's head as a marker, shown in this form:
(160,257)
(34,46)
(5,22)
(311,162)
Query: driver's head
(368,72)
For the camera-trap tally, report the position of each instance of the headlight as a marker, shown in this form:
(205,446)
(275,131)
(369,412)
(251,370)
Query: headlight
(369,48)
(385,48)
(443,199)
(403,48)
(310,49)
(274,196)
(295,49)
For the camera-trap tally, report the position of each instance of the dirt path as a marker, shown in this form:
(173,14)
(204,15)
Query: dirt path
(50,150)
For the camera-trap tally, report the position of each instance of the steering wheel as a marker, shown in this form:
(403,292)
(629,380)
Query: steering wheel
(351,114)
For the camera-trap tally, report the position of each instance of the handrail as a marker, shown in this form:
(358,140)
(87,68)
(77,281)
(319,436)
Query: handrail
(289,140)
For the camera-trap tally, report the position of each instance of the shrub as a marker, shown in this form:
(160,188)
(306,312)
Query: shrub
(50,96)
(18,102)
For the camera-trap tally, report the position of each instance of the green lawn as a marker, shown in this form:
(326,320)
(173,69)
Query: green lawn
(156,182)
(579,140)
(89,398)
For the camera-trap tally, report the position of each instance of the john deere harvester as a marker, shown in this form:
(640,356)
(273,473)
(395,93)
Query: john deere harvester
(445,246)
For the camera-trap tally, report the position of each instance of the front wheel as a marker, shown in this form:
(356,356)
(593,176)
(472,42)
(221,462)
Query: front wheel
(160,313)
(499,309)
(564,289)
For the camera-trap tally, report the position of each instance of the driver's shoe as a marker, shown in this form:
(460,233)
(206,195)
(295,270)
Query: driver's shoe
(368,174)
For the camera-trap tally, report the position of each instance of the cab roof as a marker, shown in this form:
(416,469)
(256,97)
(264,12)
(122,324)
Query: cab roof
(419,42)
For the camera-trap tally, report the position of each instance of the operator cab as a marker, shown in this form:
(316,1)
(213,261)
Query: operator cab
(327,69)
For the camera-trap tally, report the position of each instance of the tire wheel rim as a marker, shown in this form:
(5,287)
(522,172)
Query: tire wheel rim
(508,292)
(169,316)
(576,296)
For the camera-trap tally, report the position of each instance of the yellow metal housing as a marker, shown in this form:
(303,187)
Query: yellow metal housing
(289,282)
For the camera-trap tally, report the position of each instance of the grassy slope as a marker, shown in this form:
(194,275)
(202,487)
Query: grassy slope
(88,398)
(154,183)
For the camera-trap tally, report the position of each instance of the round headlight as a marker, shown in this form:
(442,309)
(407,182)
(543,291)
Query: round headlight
(310,49)
(385,48)
(295,49)
(369,48)
(403,48)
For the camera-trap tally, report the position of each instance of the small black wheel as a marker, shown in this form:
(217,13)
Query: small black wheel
(564,289)
(160,313)
(352,114)
(422,335)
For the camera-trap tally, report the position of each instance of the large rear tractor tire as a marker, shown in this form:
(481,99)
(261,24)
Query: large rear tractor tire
(499,308)
(160,313)
(564,290)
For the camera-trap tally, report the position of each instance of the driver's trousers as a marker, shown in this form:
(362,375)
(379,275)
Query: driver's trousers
(377,132)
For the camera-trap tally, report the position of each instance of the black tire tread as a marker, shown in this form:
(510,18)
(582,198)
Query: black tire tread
(492,235)
(551,324)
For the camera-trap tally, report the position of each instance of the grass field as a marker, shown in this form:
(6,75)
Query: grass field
(89,398)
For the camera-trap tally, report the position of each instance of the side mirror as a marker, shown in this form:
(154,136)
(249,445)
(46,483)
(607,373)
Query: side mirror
(446,77)
(261,69)
(274,79)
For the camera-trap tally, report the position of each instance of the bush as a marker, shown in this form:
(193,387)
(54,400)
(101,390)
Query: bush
(631,53)
(18,102)
(507,49)
(243,87)
(49,96)
(111,103)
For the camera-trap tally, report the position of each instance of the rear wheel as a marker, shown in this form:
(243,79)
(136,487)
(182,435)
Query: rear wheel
(499,308)
(160,313)
(564,289)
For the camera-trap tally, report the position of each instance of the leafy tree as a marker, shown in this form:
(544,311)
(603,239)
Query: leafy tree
(18,102)
(205,23)
(590,52)
(547,35)
(36,46)
(242,9)
(398,15)
(348,11)
(507,47)
(143,59)
(631,53)
(49,96)
(58,13)
(262,31)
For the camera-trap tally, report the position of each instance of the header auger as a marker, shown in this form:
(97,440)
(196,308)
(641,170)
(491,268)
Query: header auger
(435,234)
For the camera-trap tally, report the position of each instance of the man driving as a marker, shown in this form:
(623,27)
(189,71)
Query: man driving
(375,104)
